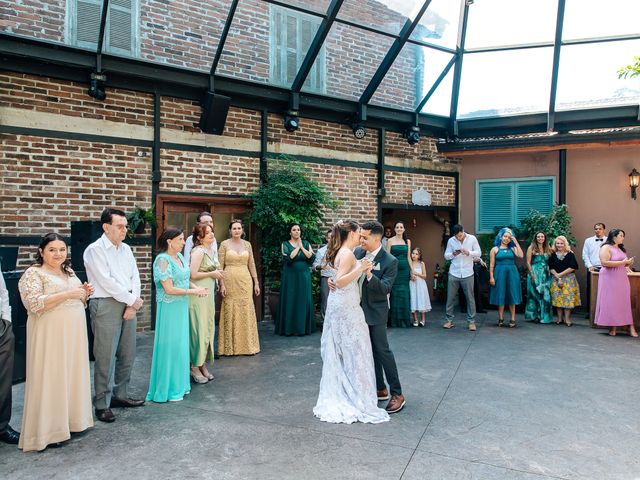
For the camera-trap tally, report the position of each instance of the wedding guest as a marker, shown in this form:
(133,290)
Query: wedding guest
(420,302)
(565,292)
(326,272)
(462,249)
(238,324)
(112,270)
(7,345)
(613,308)
(388,233)
(591,254)
(202,310)
(207,219)
(57,394)
(296,312)
(538,306)
(169,381)
(503,275)
(400,247)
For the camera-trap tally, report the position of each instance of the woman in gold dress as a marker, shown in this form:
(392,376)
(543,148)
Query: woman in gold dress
(57,397)
(238,329)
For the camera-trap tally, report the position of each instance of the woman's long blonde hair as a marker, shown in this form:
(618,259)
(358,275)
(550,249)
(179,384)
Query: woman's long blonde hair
(567,247)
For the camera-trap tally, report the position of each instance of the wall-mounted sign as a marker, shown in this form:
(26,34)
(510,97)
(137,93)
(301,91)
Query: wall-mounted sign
(421,197)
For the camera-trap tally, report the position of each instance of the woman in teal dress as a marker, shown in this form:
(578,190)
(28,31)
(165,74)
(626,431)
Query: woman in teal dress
(538,306)
(503,275)
(170,363)
(296,315)
(400,300)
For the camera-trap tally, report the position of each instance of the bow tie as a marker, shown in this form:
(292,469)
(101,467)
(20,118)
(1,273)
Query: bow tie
(599,239)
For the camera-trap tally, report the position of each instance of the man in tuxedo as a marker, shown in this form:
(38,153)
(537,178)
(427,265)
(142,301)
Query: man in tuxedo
(7,342)
(591,255)
(376,286)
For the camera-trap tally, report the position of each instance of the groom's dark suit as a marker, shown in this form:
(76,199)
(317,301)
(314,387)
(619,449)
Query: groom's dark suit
(375,305)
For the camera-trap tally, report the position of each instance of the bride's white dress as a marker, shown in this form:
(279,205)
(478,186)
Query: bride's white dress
(348,385)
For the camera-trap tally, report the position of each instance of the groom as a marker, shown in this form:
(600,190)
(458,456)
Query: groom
(376,285)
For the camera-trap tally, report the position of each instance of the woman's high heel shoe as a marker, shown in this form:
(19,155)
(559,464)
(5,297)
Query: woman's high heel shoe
(501,322)
(198,377)
(512,323)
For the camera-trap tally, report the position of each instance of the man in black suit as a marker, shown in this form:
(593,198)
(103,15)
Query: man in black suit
(376,286)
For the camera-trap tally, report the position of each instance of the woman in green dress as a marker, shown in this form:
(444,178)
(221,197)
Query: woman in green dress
(400,301)
(296,315)
(538,306)
(170,363)
(202,310)
(503,275)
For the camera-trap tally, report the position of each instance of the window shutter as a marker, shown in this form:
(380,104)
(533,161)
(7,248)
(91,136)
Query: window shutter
(533,195)
(120,25)
(88,21)
(495,205)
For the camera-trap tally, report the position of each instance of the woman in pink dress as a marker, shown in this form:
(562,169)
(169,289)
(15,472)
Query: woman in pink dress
(614,292)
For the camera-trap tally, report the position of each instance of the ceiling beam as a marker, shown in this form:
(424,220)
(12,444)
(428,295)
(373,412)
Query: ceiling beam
(103,23)
(551,112)
(436,84)
(457,72)
(223,40)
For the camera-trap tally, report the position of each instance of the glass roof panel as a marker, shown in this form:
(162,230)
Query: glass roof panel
(352,56)
(440,101)
(42,22)
(385,15)
(505,83)
(318,6)
(588,75)
(410,77)
(267,43)
(595,18)
(185,35)
(511,22)
(439,24)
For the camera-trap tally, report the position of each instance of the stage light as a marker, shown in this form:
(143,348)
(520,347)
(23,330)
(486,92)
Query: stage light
(359,131)
(291,121)
(412,134)
(97,88)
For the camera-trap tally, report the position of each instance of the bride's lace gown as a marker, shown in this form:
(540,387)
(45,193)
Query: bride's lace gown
(348,385)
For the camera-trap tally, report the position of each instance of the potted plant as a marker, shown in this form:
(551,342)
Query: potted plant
(288,195)
(139,218)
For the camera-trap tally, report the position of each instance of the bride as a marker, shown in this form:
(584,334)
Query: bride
(348,385)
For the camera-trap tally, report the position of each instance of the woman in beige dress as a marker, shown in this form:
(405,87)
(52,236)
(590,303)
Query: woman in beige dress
(57,397)
(238,330)
(202,310)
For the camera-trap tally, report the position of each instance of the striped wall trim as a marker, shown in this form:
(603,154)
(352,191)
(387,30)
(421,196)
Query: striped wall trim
(84,137)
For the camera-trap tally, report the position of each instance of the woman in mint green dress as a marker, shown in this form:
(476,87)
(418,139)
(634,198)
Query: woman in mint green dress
(538,306)
(169,380)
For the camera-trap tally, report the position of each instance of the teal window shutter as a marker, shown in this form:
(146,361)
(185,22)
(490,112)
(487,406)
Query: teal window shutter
(495,205)
(507,201)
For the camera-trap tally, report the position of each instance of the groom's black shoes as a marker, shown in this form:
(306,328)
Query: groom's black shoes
(10,436)
(396,403)
(383,394)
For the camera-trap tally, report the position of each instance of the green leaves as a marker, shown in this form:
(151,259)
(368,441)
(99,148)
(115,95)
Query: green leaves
(289,195)
(631,70)
(558,222)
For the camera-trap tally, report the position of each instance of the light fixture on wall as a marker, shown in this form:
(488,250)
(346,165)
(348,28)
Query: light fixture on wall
(414,222)
(412,134)
(291,121)
(97,87)
(634,181)
(358,122)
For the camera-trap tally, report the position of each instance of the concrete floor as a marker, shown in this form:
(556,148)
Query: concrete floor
(535,402)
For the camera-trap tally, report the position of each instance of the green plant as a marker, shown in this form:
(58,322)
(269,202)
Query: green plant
(139,218)
(631,70)
(558,222)
(288,195)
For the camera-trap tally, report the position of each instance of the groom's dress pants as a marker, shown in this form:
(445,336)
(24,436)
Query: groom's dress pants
(7,342)
(384,360)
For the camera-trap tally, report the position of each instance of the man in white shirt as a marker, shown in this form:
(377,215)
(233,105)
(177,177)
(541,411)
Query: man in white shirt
(326,273)
(462,249)
(7,344)
(112,270)
(207,219)
(591,254)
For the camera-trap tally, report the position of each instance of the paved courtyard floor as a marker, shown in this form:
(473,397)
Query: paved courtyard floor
(534,402)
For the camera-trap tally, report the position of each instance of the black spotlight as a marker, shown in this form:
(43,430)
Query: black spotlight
(358,130)
(97,88)
(412,135)
(291,121)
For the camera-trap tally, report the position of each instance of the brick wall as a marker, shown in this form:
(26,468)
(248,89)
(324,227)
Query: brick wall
(425,152)
(214,174)
(70,98)
(320,134)
(400,185)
